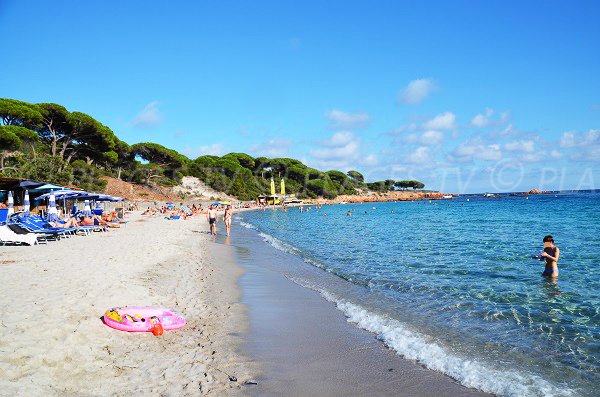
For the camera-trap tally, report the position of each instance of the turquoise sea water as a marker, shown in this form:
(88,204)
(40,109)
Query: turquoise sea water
(452,284)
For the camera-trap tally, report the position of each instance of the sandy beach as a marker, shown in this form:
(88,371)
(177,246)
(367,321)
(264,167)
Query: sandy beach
(52,339)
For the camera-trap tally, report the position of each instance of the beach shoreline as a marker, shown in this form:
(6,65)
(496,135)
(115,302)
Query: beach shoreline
(306,346)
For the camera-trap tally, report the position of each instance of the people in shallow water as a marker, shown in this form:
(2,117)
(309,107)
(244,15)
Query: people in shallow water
(550,254)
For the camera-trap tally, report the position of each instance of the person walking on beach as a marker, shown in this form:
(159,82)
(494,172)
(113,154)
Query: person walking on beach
(212,219)
(550,254)
(227,219)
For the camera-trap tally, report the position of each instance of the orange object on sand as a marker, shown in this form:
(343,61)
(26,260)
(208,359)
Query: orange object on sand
(157,329)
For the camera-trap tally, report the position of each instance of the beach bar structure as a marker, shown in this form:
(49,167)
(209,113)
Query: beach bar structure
(274,198)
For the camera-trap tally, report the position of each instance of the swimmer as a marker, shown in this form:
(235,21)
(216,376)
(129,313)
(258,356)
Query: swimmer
(349,213)
(550,254)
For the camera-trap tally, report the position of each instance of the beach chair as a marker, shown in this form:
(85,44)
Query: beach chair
(9,237)
(30,225)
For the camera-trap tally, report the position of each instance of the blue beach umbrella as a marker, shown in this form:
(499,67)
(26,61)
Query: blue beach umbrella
(87,210)
(11,203)
(52,212)
(26,204)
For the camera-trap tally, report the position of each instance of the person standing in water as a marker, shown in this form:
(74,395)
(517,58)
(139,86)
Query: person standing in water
(212,219)
(227,219)
(550,254)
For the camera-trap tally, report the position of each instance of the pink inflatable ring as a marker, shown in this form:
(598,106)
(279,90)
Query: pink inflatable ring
(142,318)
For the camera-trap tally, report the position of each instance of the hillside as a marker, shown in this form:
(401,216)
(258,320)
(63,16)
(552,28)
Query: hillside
(47,142)
(190,189)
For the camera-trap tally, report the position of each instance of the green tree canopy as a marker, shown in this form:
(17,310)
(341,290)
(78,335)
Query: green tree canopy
(242,159)
(14,112)
(357,176)
(13,138)
(158,154)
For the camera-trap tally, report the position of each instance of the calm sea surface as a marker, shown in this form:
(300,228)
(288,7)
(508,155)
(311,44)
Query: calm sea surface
(452,284)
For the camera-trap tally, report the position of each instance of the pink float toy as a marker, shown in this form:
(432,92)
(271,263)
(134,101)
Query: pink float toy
(142,318)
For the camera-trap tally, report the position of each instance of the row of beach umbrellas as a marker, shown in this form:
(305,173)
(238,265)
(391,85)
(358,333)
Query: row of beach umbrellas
(64,195)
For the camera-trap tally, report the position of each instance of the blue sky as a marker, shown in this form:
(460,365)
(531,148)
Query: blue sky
(466,96)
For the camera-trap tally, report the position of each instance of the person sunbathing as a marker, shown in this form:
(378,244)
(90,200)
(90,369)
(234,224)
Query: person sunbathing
(89,221)
(68,224)
(112,217)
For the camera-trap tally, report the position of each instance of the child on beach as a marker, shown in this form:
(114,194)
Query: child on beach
(550,254)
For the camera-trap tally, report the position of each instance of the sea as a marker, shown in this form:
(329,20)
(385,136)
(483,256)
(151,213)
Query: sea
(452,284)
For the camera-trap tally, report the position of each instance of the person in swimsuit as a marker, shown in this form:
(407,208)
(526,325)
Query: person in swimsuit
(227,218)
(68,224)
(550,254)
(212,219)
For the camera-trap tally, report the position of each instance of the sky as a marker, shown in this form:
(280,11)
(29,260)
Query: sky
(466,96)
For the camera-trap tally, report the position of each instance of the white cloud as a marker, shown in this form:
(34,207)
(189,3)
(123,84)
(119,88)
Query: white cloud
(443,121)
(215,149)
(570,139)
(149,117)
(419,156)
(339,146)
(555,154)
(508,131)
(339,138)
(586,146)
(344,120)
(482,119)
(527,146)
(477,150)
(273,147)
(533,157)
(370,160)
(342,150)
(430,137)
(417,91)
(349,150)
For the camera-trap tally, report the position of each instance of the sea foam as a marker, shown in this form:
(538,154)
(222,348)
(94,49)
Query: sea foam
(419,347)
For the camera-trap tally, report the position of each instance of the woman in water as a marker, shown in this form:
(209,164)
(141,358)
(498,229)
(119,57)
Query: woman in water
(227,218)
(550,254)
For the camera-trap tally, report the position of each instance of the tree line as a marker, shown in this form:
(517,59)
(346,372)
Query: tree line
(46,142)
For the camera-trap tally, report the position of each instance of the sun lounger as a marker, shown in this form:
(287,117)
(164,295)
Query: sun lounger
(9,237)
(31,225)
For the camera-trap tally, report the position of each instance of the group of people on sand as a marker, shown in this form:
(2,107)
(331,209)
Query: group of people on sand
(80,219)
(213,219)
(185,212)
(171,212)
